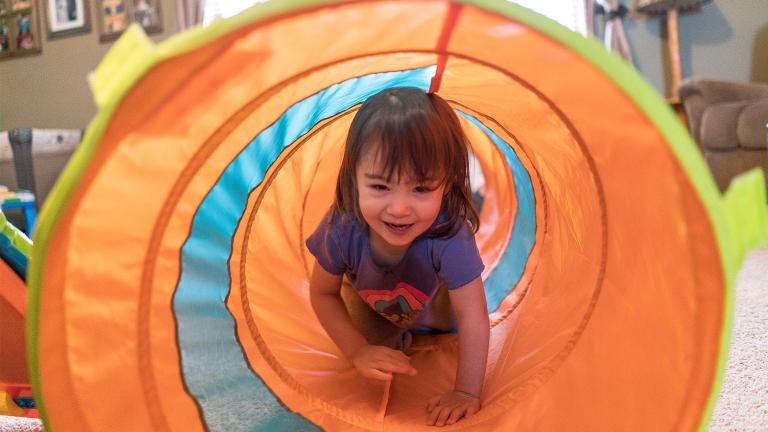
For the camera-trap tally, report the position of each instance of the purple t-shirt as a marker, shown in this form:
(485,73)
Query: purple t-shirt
(398,293)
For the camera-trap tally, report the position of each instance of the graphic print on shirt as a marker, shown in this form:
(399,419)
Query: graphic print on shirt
(400,305)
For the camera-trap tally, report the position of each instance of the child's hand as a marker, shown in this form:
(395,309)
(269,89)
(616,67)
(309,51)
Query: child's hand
(379,362)
(451,407)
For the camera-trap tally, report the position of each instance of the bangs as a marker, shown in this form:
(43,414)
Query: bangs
(414,145)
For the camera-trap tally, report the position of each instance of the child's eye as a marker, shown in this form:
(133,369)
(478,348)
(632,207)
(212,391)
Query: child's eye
(423,189)
(379,187)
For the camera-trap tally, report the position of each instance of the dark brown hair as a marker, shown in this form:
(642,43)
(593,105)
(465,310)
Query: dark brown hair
(417,135)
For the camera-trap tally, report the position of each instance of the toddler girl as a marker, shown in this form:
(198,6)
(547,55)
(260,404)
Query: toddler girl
(399,239)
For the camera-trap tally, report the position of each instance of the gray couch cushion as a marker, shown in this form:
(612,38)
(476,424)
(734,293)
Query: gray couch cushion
(731,125)
(726,165)
(751,126)
(718,125)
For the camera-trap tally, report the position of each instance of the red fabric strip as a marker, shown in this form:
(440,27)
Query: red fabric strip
(442,43)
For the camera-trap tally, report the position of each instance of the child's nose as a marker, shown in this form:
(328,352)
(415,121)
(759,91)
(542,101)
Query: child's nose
(399,208)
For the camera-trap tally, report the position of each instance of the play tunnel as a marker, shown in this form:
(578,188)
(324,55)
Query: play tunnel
(169,282)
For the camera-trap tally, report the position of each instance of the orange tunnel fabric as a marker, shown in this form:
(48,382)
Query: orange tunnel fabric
(14,251)
(188,221)
(13,364)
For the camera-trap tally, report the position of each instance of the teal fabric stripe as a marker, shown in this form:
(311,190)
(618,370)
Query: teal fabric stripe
(507,273)
(230,395)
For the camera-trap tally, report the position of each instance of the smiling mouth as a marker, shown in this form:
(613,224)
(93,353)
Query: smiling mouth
(398,227)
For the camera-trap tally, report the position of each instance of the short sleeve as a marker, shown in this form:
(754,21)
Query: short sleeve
(326,245)
(459,261)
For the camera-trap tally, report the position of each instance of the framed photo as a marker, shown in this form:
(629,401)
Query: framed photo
(19,28)
(5,36)
(112,18)
(147,14)
(67,17)
(26,35)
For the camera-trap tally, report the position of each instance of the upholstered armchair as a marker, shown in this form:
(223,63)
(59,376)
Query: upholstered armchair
(728,121)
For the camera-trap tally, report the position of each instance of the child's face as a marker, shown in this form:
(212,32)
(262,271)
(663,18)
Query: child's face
(399,210)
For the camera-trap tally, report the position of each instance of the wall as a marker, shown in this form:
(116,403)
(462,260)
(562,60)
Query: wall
(725,39)
(721,40)
(51,90)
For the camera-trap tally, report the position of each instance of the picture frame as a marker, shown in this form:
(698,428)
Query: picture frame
(19,28)
(112,18)
(5,34)
(67,17)
(147,14)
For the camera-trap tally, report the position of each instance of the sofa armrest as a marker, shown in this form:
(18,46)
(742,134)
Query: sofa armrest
(697,94)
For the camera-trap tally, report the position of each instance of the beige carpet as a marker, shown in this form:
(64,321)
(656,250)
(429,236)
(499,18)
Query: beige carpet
(19,424)
(743,403)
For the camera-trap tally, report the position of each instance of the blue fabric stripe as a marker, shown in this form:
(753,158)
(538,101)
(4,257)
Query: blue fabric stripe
(507,273)
(231,396)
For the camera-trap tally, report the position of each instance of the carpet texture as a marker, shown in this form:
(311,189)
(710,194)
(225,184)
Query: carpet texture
(743,403)
(19,424)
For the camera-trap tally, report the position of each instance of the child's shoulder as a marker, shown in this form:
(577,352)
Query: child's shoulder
(460,230)
(335,243)
(456,257)
(459,239)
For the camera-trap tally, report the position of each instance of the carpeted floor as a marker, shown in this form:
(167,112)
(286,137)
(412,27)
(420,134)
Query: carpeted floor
(743,403)
(19,424)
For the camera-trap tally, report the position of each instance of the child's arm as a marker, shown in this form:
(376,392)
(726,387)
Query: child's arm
(372,361)
(474,332)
